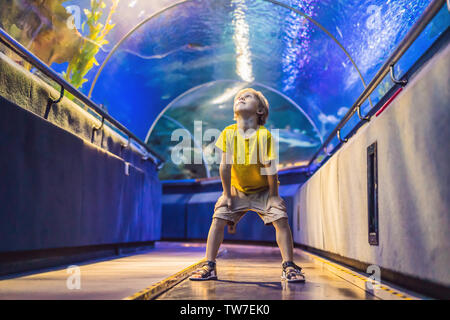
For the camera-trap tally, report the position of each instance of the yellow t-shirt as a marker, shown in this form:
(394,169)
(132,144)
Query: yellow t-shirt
(248,157)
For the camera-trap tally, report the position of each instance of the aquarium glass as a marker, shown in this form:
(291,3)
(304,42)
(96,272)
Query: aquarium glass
(159,67)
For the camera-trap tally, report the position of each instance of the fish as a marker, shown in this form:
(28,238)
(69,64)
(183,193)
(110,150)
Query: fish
(186,47)
(296,139)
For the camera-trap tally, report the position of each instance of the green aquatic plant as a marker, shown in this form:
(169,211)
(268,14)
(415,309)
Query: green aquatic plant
(84,60)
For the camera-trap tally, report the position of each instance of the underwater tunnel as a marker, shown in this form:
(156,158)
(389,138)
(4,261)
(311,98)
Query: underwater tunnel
(110,110)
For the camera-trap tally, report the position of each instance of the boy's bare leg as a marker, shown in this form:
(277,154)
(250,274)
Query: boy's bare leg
(285,243)
(284,239)
(215,238)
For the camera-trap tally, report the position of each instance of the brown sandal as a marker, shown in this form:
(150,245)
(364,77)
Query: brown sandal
(292,275)
(206,272)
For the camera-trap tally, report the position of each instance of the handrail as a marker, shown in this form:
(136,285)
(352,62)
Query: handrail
(12,44)
(429,13)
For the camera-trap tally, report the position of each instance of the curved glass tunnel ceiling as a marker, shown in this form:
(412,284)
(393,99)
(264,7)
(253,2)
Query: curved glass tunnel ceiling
(208,107)
(185,64)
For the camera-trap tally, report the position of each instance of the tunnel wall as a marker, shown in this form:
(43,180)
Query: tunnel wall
(412,137)
(59,188)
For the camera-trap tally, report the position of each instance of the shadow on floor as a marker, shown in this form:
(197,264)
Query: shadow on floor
(263,284)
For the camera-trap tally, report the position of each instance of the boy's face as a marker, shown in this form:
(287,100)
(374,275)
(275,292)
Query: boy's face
(246,103)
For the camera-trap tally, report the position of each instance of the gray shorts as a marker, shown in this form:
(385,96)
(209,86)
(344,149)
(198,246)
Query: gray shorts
(244,202)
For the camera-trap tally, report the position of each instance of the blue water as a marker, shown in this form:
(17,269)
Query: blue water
(196,55)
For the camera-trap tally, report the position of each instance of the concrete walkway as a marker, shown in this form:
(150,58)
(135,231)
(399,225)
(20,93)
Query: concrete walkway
(248,272)
(103,279)
(254,272)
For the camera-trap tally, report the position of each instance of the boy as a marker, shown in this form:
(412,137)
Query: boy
(250,182)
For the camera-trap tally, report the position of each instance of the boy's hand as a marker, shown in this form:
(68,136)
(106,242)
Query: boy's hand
(276,202)
(226,202)
(232,229)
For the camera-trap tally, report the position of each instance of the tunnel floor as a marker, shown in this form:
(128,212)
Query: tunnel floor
(247,272)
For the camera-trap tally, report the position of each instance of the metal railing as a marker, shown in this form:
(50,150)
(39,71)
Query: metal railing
(429,13)
(12,44)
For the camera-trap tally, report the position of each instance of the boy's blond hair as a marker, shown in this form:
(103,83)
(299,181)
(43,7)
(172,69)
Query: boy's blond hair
(262,118)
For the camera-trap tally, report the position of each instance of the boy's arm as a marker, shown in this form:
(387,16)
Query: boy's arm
(274,199)
(273,184)
(225,175)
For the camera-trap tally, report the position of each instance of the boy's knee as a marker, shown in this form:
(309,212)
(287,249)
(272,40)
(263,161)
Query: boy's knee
(219,223)
(281,224)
